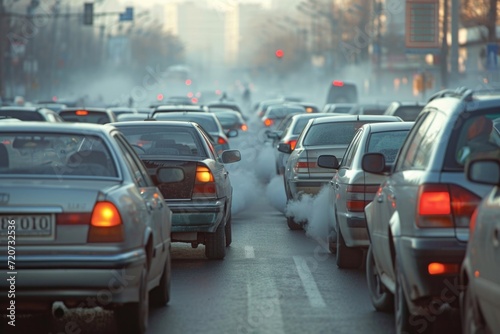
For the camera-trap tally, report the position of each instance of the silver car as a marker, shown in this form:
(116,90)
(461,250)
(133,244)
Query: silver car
(325,135)
(351,189)
(83,221)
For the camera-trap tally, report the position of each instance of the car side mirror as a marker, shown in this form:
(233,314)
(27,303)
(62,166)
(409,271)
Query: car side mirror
(374,163)
(285,148)
(232,133)
(484,171)
(170,174)
(328,161)
(230,156)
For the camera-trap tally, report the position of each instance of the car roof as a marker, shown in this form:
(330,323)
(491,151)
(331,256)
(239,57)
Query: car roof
(389,126)
(354,118)
(155,123)
(70,127)
(92,109)
(310,115)
(21,108)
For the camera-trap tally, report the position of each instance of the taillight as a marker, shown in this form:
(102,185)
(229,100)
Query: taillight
(268,122)
(244,127)
(356,198)
(204,185)
(221,141)
(292,143)
(438,268)
(302,166)
(443,205)
(73,218)
(105,223)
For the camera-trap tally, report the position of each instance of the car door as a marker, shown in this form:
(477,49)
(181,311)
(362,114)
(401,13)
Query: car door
(154,202)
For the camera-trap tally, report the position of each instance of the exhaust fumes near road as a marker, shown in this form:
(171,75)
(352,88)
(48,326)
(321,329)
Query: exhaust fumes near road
(275,193)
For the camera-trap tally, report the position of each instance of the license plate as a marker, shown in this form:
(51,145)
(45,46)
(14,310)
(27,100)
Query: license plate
(30,227)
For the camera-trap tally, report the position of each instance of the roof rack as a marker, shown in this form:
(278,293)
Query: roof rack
(461,92)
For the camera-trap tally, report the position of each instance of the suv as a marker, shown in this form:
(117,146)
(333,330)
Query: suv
(418,222)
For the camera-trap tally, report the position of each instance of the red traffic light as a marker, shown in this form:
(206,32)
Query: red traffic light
(279,53)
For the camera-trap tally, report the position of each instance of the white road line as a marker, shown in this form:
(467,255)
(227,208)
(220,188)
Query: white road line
(264,310)
(308,282)
(249,252)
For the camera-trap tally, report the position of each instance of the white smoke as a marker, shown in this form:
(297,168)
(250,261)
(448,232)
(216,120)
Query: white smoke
(275,193)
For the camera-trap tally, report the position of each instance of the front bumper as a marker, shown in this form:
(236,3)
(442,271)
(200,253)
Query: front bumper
(415,254)
(78,280)
(196,216)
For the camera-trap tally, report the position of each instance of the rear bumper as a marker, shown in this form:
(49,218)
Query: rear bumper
(304,186)
(196,216)
(353,227)
(78,280)
(415,254)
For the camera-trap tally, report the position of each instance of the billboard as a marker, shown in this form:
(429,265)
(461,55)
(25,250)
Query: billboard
(422,26)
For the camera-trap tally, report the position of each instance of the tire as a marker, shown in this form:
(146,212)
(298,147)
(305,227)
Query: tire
(292,225)
(215,245)
(160,296)
(347,257)
(228,231)
(470,320)
(382,299)
(133,317)
(401,311)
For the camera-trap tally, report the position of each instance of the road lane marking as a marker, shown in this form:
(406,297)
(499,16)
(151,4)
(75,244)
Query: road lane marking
(264,309)
(308,282)
(249,252)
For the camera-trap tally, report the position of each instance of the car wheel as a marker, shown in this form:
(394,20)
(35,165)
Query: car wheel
(133,317)
(160,295)
(347,257)
(228,231)
(382,299)
(215,246)
(401,311)
(470,321)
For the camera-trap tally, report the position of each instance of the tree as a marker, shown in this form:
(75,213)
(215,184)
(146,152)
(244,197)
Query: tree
(481,13)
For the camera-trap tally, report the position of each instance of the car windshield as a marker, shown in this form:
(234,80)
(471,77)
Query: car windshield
(207,123)
(388,143)
(164,140)
(337,133)
(55,155)
(85,116)
(23,115)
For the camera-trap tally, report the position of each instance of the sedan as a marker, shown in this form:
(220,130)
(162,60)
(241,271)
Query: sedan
(85,219)
(325,135)
(351,188)
(275,114)
(480,274)
(230,120)
(201,200)
(39,114)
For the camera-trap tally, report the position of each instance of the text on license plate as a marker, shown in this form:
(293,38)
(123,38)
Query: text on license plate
(32,226)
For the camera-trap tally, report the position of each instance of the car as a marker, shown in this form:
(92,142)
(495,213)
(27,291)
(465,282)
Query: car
(326,135)
(230,120)
(131,117)
(408,111)
(9,119)
(351,188)
(368,109)
(179,108)
(88,221)
(38,114)
(208,121)
(338,108)
(342,92)
(479,271)
(274,114)
(54,106)
(123,110)
(201,201)
(418,222)
(88,115)
(225,105)
(309,106)
(288,133)
(178,100)
(262,106)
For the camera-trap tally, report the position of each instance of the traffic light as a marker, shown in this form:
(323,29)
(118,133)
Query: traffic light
(88,13)
(279,53)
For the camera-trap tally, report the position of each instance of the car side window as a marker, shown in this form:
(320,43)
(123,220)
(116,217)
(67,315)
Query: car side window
(416,150)
(132,166)
(212,153)
(351,150)
(138,162)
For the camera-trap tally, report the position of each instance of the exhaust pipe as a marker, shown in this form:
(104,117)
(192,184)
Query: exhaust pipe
(58,310)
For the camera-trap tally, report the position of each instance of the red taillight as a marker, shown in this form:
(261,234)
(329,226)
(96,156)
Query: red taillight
(221,141)
(443,205)
(105,224)
(204,185)
(244,127)
(437,268)
(268,122)
(81,112)
(302,166)
(472,225)
(292,143)
(338,83)
(356,197)
(6,142)
(73,218)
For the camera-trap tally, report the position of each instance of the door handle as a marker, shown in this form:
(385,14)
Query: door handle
(496,237)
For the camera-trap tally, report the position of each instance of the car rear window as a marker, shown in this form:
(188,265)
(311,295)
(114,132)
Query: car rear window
(164,140)
(23,115)
(408,114)
(282,112)
(227,120)
(388,143)
(207,123)
(335,133)
(55,155)
(85,116)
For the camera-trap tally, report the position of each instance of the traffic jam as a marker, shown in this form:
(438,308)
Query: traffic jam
(262,198)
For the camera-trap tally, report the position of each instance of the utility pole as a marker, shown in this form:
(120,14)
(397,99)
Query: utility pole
(444,46)
(3,40)
(455,17)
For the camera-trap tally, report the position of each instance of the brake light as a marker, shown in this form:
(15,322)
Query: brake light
(437,268)
(292,143)
(81,112)
(302,166)
(221,141)
(472,225)
(204,185)
(6,142)
(356,198)
(338,83)
(73,218)
(105,224)
(443,205)
(244,127)
(309,110)
(268,122)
